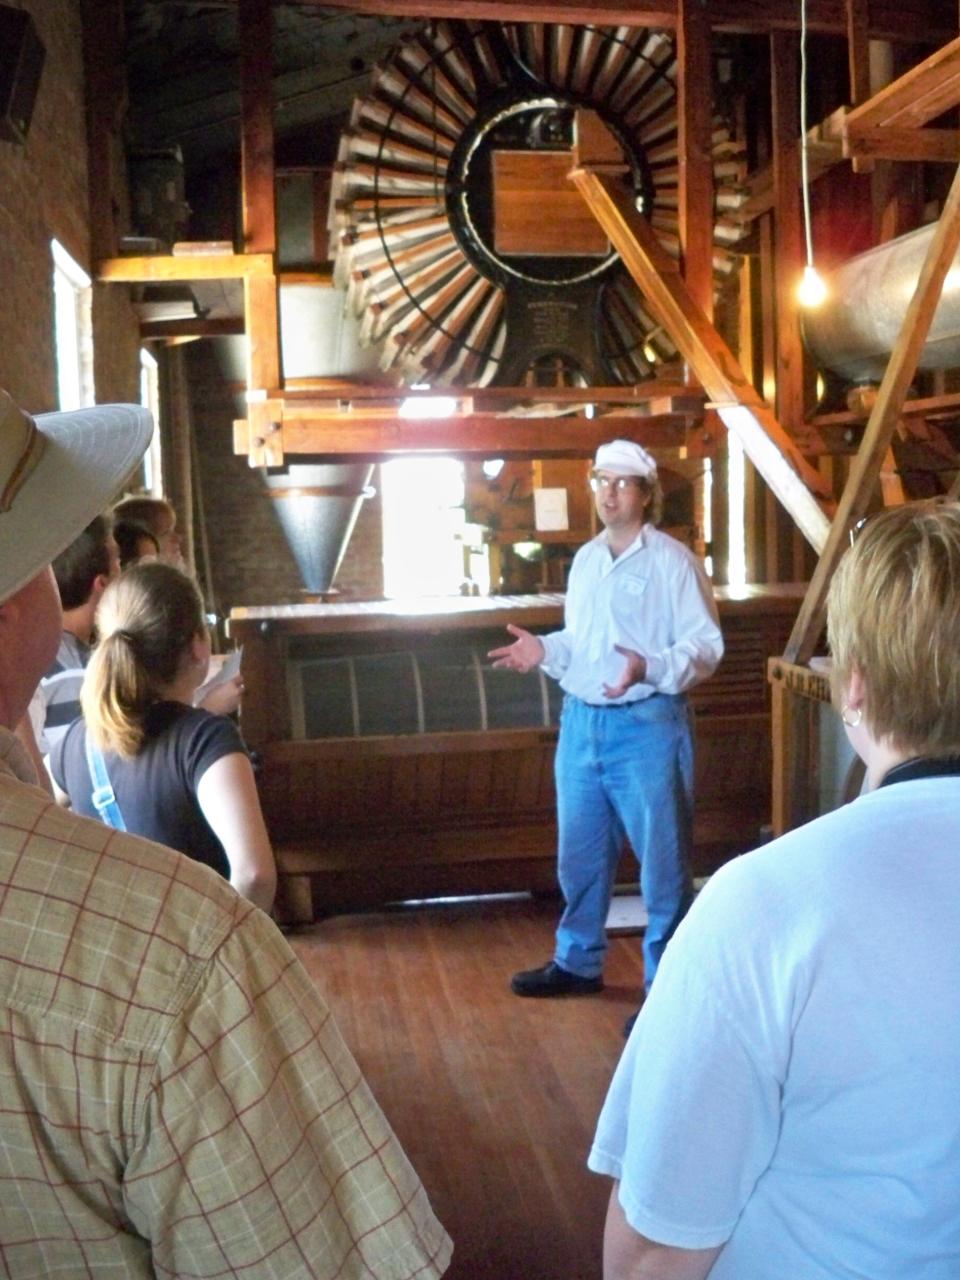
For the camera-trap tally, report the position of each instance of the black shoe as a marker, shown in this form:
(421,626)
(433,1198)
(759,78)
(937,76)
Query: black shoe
(628,1025)
(551,980)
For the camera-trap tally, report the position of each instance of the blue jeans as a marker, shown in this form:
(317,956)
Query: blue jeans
(623,770)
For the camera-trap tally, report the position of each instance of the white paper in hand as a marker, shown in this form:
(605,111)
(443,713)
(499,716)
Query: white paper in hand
(226,669)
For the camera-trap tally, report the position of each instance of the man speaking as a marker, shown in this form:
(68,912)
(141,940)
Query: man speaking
(640,630)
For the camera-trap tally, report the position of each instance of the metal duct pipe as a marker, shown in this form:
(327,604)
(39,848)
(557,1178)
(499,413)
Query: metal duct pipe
(854,331)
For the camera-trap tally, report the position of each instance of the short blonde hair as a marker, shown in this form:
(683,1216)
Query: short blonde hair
(147,620)
(893,615)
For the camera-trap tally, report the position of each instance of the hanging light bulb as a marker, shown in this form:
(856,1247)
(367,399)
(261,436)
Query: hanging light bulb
(811,291)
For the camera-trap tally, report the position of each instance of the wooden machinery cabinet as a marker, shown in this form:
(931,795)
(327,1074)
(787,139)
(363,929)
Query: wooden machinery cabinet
(395,762)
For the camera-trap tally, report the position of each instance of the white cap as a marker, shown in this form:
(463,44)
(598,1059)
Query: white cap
(626,458)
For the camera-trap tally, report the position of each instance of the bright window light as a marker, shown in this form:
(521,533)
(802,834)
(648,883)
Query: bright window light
(708,512)
(73,330)
(423,523)
(428,407)
(150,399)
(736,511)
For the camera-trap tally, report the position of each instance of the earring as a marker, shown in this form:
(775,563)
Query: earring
(851,720)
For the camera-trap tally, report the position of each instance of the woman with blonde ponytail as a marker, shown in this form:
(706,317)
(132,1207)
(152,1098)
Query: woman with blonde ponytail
(174,772)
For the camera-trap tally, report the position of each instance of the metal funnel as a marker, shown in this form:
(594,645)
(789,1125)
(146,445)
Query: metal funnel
(317,507)
(317,504)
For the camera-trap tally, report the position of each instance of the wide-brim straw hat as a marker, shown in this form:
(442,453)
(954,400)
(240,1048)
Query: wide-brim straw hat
(58,471)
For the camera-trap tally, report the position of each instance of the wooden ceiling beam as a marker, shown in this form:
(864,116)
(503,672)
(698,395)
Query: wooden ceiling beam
(889,19)
(888,126)
(335,390)
(168,268)
(200,327)
(919,95)
(471,435)
(945,406)
(938,146)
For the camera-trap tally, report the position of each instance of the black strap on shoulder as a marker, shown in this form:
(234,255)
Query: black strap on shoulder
(922,767)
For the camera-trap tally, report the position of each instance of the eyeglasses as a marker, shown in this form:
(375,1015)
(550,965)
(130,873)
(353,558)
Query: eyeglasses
(618,484)
(857,529)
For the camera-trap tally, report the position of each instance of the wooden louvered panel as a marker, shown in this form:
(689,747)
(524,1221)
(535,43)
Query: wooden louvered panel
(435,349)
(586,58)
(420,335)
(476,360)
(364,284)
(560,60)
(404,150)
(418,116)
(430,82)
(423,99)
(389,306)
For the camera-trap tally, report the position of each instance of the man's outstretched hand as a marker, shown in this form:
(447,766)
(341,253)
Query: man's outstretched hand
(523,655)
(633,673)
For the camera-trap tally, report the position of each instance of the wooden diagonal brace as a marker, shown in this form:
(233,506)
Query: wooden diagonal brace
(741,409)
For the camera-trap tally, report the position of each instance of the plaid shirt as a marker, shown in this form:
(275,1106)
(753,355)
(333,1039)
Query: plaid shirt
(175,1099)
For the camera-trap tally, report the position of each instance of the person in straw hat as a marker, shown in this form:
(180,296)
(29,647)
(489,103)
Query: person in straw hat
(176,1098)
(640,630)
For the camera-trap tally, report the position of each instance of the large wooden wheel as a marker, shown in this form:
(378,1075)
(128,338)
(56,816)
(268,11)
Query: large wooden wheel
(461,244)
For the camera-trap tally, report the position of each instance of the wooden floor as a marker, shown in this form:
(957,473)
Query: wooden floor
(494,1098)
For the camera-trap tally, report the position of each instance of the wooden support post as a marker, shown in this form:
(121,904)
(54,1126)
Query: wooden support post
(796,694)
(753,525)
(259,223)
(103,34)
(694,116)
(858,60)
(858,49)
(741,409)
(255,18)
(882,423)
(788,227)
(783,764)
(265,433)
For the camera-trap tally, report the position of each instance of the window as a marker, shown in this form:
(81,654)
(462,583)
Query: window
(73,330)
(423,522)
(736,490)
(150,399)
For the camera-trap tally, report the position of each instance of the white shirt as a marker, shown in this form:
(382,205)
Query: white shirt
(654,598)
(791,1086)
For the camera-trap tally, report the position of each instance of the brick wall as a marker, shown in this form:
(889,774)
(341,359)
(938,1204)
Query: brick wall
(43,195)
